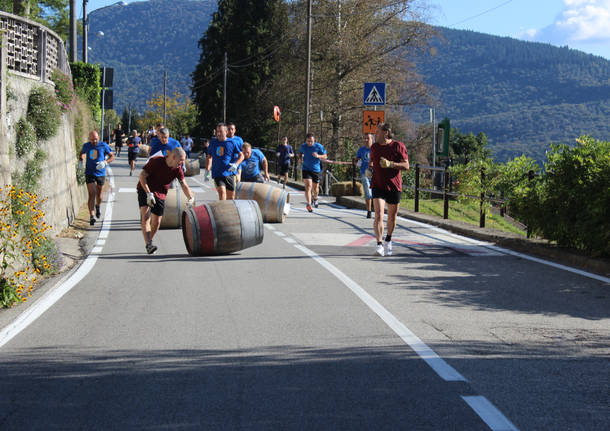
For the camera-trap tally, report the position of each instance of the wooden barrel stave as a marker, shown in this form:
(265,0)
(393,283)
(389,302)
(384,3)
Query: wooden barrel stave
(192,168)
(175,203)
(271,200)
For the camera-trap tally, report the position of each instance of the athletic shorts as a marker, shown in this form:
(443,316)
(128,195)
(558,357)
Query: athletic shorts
(157,209)
(284,169)
(226,182)
(257,179)
(366,185)
(391,197)
(313,176)
(131,156)
(95,179)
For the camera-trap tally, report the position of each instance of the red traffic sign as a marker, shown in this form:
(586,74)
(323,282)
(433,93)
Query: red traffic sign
(276,113)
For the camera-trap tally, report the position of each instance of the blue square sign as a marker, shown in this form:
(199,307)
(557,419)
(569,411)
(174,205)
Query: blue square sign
(374,93)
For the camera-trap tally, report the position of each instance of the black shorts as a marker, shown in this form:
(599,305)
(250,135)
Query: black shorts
(131,156)
(313,176)
(157,209)
(257,179)
(284,169)
(95,179)
(391,197)
(226,182)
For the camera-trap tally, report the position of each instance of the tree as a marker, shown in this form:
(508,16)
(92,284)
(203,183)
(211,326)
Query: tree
(465,148)
(253,35)
(54,14)
(181,113)
(353,41)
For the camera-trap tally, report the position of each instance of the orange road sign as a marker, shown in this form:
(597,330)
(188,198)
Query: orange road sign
(370,120)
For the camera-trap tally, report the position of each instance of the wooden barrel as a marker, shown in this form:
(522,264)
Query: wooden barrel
(144,151)
(175,203)
(192,167)
(274,202)
(222,227)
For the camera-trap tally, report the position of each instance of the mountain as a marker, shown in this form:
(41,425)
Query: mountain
(522,95)
(144,39)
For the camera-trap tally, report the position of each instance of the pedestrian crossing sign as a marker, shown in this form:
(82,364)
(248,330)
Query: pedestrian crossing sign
(370,120)
(374,93)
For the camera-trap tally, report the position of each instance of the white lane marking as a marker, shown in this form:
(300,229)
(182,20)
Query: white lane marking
(278,233)
(510,252)
(96,250)
(268,226)
(442,368)
(100,242)
(489,413)
(205,186)
(290,240)
(66,284)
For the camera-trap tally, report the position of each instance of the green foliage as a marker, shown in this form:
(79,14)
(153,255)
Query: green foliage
(64,90)
(254,42)
(570,203)
(86,78)
(466,147)
(30,178)
(26,137)
(43,112)
(51,13)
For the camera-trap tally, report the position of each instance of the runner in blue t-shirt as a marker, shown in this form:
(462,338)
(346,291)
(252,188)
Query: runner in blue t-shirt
(284,154)
(133,149)
(250,167)
(362,159)
(158,144)
(221,154)
(311,152)
(239,142)
(94,153)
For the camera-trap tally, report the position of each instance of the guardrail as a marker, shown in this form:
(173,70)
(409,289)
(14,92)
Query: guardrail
(32,50)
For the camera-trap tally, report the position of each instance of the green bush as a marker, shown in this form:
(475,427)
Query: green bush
(43,112)
(572,198)
(86,78)
(64,90)
(30,177)
(26,137)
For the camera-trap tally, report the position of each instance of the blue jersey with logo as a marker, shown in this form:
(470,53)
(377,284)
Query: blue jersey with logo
(223,153)
(250,168)
(239,142)
(156,146)
(95,153)
(311,163)
(364,154)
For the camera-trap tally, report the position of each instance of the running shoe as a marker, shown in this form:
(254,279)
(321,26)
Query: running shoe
(387,248)
(368,214)
(309,208)
(151,248)
(92,221)
(315,203)
(379,250)
(98,214)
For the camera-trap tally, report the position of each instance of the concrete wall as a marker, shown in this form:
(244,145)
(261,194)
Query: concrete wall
(58,180)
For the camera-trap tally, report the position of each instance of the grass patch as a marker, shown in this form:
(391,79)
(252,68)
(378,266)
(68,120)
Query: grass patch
(463,211)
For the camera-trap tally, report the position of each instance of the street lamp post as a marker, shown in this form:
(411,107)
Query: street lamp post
(85,31)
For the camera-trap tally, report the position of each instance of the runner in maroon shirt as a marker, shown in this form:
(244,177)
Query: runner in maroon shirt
(155,178)
(388,158)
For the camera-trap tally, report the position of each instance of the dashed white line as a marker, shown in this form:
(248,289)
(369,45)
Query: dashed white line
(489,413)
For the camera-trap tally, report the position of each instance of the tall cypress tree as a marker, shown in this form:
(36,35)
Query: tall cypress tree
(253,34)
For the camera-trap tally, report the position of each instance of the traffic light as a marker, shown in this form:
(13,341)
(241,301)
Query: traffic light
(442,138)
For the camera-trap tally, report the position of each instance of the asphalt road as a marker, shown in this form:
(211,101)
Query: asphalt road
(309,331)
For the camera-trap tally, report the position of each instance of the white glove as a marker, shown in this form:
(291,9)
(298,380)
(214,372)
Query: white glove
(359,163)
(150,199)
(80,165)
(206,175)
(232,167)
(190,202)
(100,165)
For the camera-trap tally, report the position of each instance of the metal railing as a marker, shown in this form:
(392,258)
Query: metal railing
(32,50)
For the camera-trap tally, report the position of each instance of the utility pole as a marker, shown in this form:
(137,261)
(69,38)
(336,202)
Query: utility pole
(165,98)
(129,120)
(307,77)
(85,32)
(73,54)
(224,103)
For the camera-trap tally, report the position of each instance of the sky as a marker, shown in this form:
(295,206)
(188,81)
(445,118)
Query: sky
(579,24)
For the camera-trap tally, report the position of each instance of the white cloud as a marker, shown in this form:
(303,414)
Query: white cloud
(581,21)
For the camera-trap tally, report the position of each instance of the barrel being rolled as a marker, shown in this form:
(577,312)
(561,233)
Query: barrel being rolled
(175,203)
(222,227)
(274,202)
(192,168)
(144,151)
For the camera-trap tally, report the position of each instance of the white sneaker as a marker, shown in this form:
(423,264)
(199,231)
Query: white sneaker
(387,248)
(379,250)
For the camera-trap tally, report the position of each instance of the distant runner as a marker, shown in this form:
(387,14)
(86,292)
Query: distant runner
(133,149)
(362,159)
(221,153)
(311,152)
(284,154)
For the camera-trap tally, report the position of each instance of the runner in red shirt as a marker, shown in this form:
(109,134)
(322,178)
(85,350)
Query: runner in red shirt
(155,178)
(388,158)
